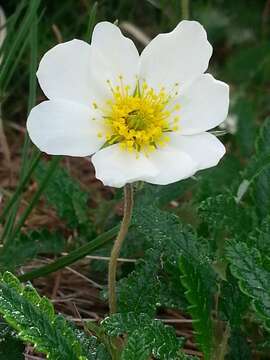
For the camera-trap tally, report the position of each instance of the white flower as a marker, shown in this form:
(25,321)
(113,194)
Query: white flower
(144,117)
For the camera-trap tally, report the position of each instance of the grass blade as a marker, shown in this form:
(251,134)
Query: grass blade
(72,257)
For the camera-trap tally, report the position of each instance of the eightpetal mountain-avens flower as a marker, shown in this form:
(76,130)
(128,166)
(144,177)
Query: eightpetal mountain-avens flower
(142,117)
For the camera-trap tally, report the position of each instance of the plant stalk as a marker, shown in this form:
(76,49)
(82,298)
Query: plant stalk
(128,206)
(185,9)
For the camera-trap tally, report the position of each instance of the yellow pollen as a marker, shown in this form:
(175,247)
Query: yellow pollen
(138,121)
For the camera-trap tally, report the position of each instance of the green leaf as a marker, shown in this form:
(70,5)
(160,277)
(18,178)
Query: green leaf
(262,182)
(164,343)
(262,141)
(11,347)
(262,193)
(136,348)
(28,246)
(216,180)
(239,348)
(165,231)
(143,281)
(34,320)
(259,165)
(66,196)
(233,304)
(118,324)
(163,194)
(156,338)
(156,277)
(245,135)
(223,213)
(262,237)
(200,305)
(246,265)
(242,71)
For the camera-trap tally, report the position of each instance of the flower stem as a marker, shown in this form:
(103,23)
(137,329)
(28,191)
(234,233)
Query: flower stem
(185,9)
(128,191)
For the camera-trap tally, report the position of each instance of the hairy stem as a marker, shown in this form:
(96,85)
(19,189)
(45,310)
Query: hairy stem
(128,191)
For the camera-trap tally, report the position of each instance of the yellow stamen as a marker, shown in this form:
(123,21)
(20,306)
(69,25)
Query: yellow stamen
(139,121)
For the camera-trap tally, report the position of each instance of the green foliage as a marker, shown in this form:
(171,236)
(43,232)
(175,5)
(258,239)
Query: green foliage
(233,304)
(145,336)
(239,348)
(245,112)
(261,237)
(223,213)
(144,281)
(34,320)
(11,347)
(67,197)
(28,246)
(165,230)
(162,195)
(136,348)
(217,180)
(217,222)
(262,192)
(156,277)
(260,162)
(200,305)
(262,182)
(243,71)
(246,264)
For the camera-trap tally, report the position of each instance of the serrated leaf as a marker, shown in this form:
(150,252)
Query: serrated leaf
(136,348)
(35,321)
(200,305)
(261,184)
(158,339)
(118,324)
(233,304)
(164,343)
(138,292)
(262,237)
(262,193)
(246,265)
(165,231)
(223,213)
(259,165)
(158,273)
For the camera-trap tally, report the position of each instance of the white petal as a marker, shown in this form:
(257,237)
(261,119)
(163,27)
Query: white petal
(64,72)
(173,165)
(205,149)
(113,55)
(176,57)
(203,105)
(116,167)
(63,128)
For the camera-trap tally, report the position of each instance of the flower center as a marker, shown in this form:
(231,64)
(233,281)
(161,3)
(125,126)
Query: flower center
(139,121)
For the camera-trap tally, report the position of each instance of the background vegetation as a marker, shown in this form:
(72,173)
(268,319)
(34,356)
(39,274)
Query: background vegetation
(194,274)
